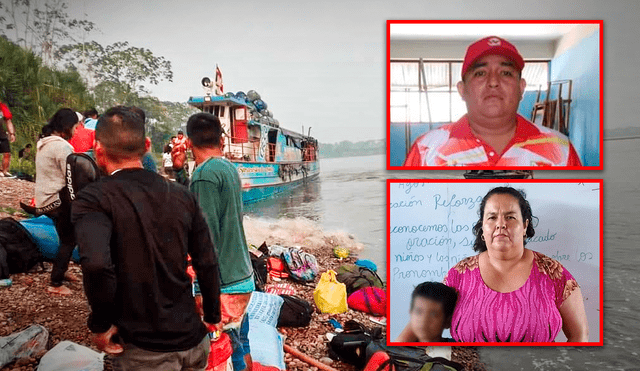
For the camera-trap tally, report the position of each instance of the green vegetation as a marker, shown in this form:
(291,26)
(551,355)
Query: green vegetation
(46,64)
(349,149)
(14,212)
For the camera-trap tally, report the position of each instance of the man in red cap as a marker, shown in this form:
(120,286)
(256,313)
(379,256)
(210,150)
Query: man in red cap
(492,133)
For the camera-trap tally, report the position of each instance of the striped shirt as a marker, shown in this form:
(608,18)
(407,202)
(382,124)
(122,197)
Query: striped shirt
(455,145)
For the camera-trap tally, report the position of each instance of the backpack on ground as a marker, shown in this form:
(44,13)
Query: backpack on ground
(350,346)
(302,266)
(367,264)
(276,267)
(371,300)
(260,270)
(356,278)
(295,312)
(406,358)
(18,250)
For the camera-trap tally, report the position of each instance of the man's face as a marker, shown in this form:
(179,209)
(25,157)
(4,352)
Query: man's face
(492,89)
(427,319)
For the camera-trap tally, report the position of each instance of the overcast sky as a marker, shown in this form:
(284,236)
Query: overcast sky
(323,64)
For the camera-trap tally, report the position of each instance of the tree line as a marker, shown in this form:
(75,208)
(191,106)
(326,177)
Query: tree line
(348,149)
(47,62)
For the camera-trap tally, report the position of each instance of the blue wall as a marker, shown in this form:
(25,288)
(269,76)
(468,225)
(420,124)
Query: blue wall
(397,141)
(581,64)
(527,102)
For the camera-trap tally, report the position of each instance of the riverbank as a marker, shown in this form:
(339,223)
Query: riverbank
(26,302)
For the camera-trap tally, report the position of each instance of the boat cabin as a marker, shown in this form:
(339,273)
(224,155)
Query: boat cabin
(253,136)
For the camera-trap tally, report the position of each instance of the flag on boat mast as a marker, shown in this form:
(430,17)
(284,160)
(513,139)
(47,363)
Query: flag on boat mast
(219,87)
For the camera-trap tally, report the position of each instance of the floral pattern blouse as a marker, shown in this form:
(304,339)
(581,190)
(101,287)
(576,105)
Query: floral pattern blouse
(528,314)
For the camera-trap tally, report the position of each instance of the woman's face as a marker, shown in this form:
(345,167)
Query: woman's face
(69,133)
(502,225)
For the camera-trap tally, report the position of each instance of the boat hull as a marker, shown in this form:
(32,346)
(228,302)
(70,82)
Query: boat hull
(264,180)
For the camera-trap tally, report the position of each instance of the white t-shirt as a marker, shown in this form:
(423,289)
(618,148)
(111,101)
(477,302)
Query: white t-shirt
(166,160)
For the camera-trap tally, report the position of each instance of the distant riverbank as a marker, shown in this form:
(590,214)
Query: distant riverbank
(351,149)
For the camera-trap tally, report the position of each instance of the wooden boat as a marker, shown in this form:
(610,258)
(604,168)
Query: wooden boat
(499,174)
(269,159)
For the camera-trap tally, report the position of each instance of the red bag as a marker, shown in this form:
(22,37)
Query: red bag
(281,288)
(276,267)
(376,362)
(220,353)
(372,300)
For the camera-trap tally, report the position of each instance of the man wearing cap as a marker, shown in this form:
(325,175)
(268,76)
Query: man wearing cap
(492,133)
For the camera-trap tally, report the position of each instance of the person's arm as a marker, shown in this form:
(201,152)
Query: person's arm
(407,335)
(93,234)
(574,317)
(205,263)
(179,158)
(11,129)
(104,341)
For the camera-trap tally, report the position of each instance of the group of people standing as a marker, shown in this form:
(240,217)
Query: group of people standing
(177,143)
(137,231)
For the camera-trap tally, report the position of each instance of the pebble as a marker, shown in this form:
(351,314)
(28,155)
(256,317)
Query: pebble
(326,361)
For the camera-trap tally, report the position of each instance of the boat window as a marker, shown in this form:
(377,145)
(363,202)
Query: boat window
(222,109)
(424,93)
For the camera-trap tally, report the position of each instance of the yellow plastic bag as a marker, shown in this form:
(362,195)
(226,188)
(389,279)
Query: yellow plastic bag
(330,295)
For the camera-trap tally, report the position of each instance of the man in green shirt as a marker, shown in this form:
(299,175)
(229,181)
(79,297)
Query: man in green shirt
(216,184)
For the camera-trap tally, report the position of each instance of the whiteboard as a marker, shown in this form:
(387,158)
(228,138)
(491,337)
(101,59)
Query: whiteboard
(430,230)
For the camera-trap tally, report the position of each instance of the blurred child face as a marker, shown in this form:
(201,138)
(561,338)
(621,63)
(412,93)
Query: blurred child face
(427,319)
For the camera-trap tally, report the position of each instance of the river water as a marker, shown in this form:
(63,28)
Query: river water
(347,206)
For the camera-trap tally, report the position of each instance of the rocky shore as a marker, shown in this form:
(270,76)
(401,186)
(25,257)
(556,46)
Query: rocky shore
(26,302)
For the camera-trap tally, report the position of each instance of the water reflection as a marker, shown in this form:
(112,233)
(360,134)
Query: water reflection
(302,201)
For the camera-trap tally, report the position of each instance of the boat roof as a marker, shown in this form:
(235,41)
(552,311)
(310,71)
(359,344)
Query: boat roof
(219,100)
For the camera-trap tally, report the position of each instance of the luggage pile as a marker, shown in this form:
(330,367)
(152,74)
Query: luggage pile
(318,295)
(257,107)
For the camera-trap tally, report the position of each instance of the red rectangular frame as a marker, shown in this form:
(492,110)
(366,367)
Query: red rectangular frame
(595,181)
(389,167)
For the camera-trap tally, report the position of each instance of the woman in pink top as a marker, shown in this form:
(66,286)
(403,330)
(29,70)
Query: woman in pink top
(508,293)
